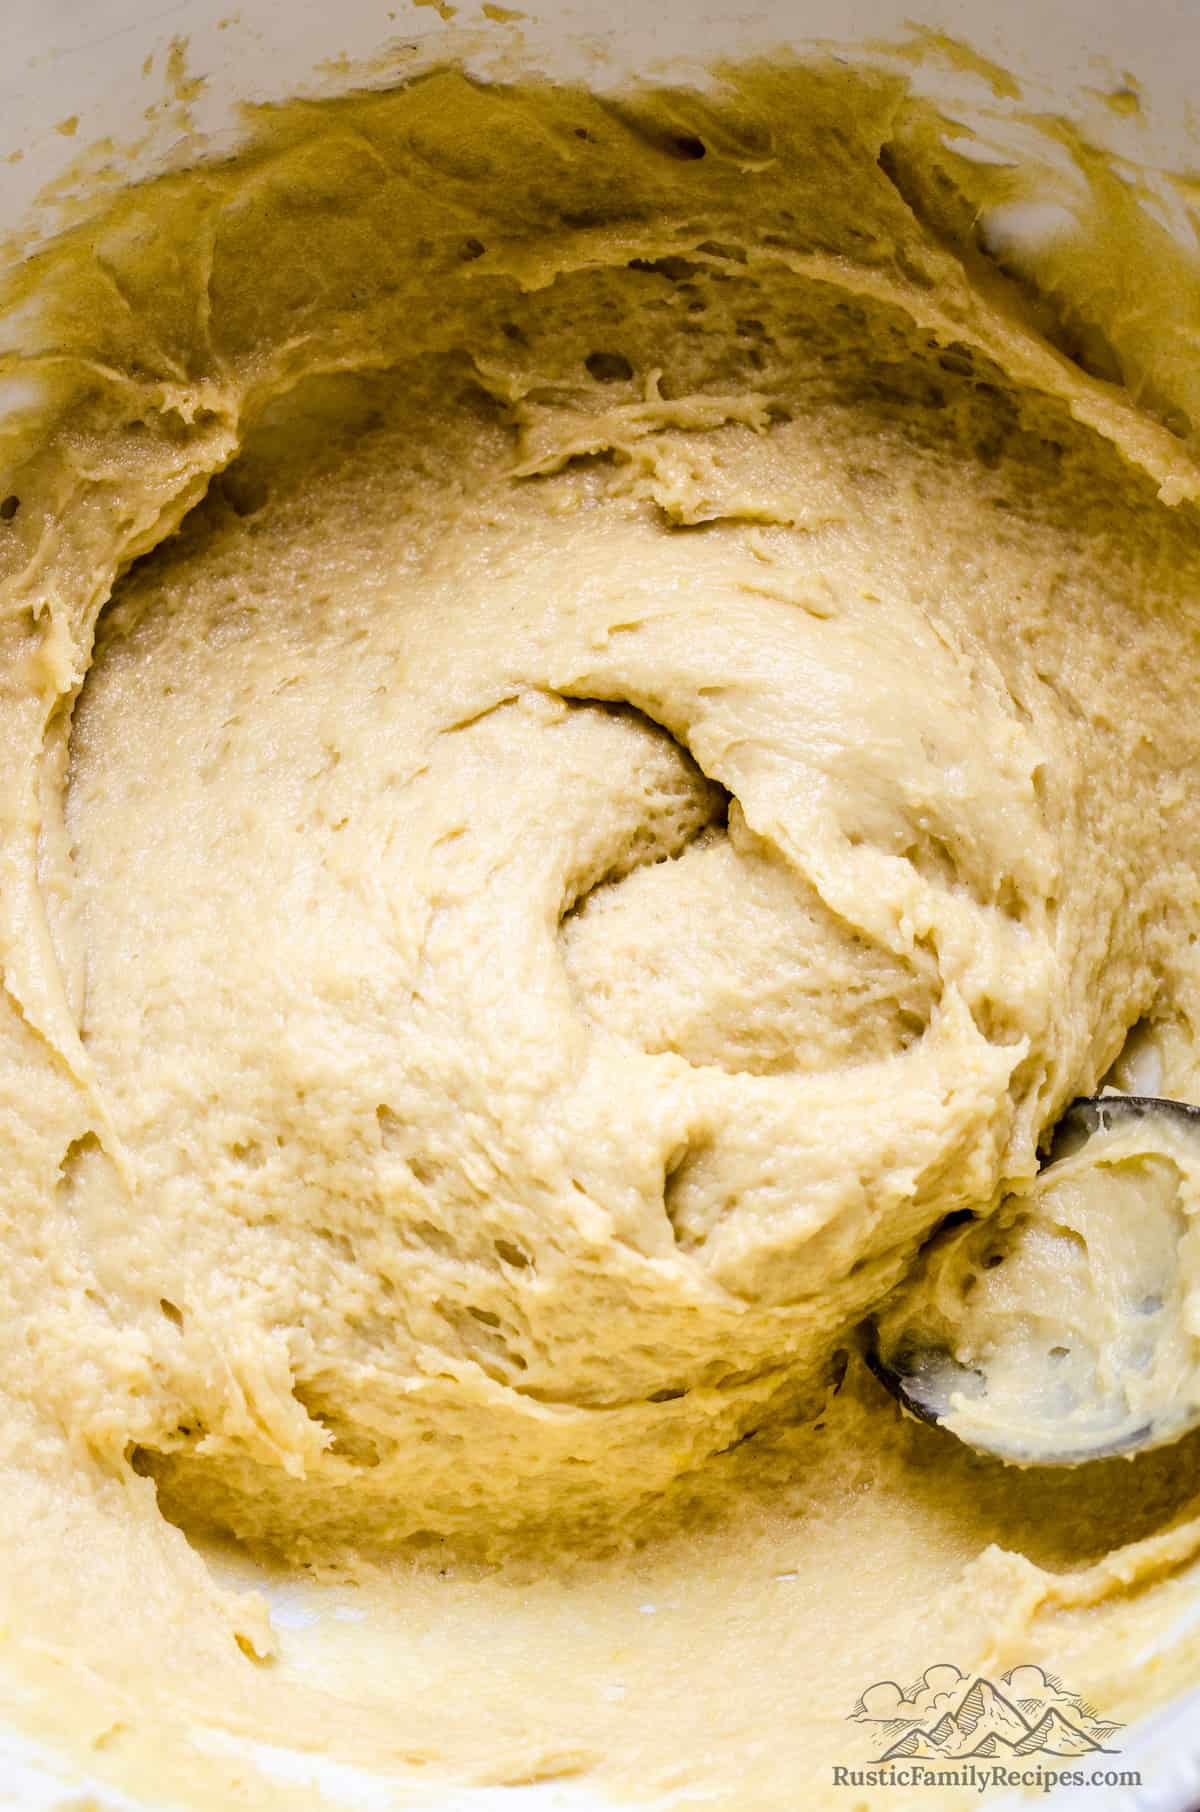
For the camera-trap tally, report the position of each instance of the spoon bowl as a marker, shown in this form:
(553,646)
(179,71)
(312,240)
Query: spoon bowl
(1065,1327)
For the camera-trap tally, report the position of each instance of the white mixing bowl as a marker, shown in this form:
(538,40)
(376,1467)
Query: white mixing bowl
(73,74)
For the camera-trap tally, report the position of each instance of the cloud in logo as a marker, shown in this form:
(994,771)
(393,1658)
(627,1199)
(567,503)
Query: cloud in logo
(888,1703)
(1032,1682)
(1029,1682)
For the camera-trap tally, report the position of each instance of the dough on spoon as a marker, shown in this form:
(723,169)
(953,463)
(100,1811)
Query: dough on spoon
(1067,1325)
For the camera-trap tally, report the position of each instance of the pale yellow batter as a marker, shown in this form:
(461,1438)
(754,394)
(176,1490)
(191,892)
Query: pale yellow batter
(639,749)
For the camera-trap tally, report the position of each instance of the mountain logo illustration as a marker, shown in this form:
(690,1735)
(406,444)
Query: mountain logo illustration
(949,1714)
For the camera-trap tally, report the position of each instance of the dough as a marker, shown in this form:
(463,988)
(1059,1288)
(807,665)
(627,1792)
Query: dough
(597,720)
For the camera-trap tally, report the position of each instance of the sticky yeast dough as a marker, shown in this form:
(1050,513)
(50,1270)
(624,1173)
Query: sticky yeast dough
(598,730)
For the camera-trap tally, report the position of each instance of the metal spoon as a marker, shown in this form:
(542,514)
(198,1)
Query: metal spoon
(1066,1326)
